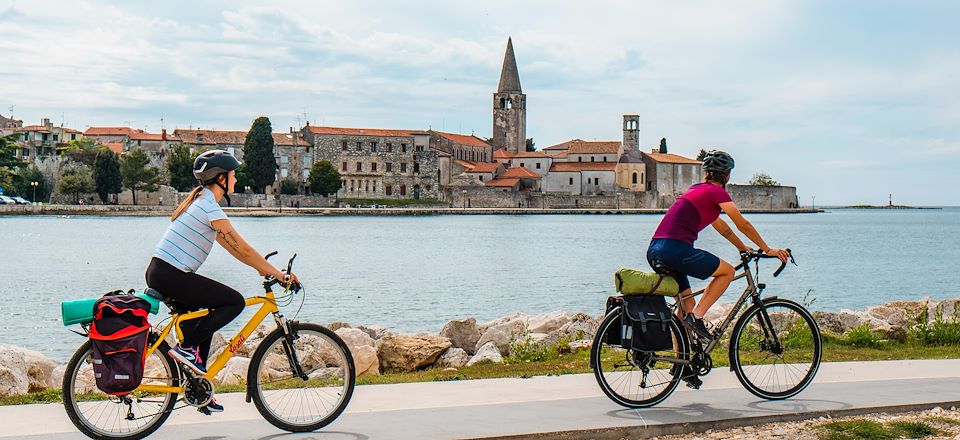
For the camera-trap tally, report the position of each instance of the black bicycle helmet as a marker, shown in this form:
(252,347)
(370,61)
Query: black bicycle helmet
(717,161)
(210,164)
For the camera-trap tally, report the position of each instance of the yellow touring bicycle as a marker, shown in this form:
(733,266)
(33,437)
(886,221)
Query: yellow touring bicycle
(300,377)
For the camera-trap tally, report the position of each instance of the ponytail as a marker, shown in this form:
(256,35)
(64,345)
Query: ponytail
(186,202)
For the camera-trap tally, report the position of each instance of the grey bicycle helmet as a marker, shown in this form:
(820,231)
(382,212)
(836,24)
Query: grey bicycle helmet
(210,164)
(717,161)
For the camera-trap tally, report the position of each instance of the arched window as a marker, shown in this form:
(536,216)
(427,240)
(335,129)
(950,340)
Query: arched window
(389,190)
(634,178)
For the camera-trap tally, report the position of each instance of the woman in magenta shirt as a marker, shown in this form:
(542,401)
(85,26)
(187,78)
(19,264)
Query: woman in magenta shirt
(672,243)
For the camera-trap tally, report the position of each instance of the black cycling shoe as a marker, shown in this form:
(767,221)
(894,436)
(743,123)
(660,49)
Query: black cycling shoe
(697,326)
(691,379)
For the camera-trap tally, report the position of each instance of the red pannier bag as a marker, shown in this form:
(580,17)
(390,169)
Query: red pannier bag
(118,336)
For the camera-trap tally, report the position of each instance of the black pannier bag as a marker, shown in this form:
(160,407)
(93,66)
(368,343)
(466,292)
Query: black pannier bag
(613,335)
(645,323)
(118,335)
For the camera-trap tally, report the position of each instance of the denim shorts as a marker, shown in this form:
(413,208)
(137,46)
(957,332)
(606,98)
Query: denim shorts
(683,259)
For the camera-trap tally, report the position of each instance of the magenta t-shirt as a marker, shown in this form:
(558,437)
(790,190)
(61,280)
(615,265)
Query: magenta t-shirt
(693,211)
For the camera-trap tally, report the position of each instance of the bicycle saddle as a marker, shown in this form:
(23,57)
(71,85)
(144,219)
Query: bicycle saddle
(661,268)
(171,304)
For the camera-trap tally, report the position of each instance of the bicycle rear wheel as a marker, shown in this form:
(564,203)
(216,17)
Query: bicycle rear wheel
(295,403)
(101,416)
(775,358)
(632,378)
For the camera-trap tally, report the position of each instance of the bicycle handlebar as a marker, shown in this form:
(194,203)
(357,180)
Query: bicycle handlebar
(748,256)
(269,280)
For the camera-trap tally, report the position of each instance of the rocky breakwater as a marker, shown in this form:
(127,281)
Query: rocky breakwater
(465,342)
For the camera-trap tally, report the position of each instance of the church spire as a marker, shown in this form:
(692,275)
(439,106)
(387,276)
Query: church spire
(509,76)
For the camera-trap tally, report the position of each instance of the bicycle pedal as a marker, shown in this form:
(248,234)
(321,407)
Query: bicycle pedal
(204,411)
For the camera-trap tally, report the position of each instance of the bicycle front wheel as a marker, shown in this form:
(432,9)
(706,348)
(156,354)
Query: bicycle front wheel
(305,400)
(632,378)
(101,416)
(775,349)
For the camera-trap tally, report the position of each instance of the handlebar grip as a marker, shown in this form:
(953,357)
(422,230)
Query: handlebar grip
(783,265)
(267,257)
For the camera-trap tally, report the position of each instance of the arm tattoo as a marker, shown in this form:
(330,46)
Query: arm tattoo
(230,240)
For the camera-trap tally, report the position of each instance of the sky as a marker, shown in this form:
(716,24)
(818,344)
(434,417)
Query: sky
(848,101)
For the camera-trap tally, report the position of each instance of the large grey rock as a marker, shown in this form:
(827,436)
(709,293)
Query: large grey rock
(829,321)
(897,313)
(355,337)
(408,352)
(503,335)
(26,370)
(234,372)
(547,322)
(486,353)
(581,326)
(13,380)
(579,345)
(516,316)
(462,333)
(454,357)
(365,360)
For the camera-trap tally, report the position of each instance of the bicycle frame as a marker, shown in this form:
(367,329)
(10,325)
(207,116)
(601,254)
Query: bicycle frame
(268,306)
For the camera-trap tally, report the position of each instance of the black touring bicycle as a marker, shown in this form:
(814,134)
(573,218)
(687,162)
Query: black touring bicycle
(639,357)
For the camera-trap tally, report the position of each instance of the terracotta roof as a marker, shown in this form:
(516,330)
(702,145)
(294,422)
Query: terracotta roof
(580,146)
(562,155)
(671,158)
(152,137)
(503,182)
(115,147)
(560,167)
(37,128)
(286,139)
(502,154)
(530,154)
(110,131)
(70,130)
(483,167)
(464,139)
(233,137)
(519,173)
(359,131)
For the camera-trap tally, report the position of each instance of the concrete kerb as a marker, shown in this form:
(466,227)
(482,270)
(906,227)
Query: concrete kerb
(646,431)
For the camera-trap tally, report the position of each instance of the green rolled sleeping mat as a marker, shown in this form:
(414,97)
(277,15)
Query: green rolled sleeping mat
(636,282)
(80,311)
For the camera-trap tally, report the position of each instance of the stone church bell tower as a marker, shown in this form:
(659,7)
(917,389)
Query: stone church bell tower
(509,107)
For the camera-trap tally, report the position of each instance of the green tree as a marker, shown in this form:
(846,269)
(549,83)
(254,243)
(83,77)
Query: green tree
(702,155)
(762,179)
(324,178)
(106,173)
(135,173)
(289,186)
(663,145)
(75,180)
(81,150)
(243,179)
(180,167)
(258,154)
(531,145)
(22,183)
(9,164)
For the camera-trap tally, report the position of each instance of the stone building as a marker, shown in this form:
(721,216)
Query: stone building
(294,156)
(39,141)
(380,163)
(509,107)
(110,135)
(8,125)
(670,174)
(461,147)
(152,143)
(229,140)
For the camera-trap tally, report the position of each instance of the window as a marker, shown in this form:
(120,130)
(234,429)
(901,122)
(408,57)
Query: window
(344,167)
(403,148)
(374,186)
(571,180)
(403,190)
(579,158)
(306,174)
(634,178)
(604,158)
(307,160)
(389,167)
(359,146)
(373,146)
(481,178)
(389,147)
(416,167)
(596,180)
(343,145)
(138,141)
(389,190)
(419,147)
(592,159)
(284,159)
(538,165)
(55,137)
(73,137)
(403,167)
(373,167)
(366,185)
(521,165)
(26,152)
(284,172)
(351,185)
(359,166)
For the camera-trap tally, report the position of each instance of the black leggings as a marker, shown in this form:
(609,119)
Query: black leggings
(193,292)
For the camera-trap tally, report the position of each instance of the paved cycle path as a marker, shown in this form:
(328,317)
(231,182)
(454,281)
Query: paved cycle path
(570,407)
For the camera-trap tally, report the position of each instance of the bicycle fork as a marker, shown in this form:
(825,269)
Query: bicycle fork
(289,336)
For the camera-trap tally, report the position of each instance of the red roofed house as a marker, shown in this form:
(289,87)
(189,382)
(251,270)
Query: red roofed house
(151,142)
(8,125)
(110,135)
(294,155)
(38,141)
(670,174)
(229,140)
(517,179)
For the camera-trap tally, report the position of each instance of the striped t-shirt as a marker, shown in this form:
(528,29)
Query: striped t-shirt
(190,237)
